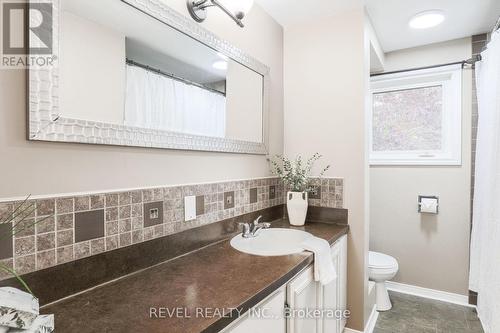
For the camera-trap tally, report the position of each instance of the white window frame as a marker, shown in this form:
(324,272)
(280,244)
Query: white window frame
(450,79)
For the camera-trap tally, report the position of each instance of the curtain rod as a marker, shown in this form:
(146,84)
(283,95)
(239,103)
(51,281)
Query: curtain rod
(172,76)
(471,61)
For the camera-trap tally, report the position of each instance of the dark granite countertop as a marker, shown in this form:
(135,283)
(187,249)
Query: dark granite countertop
(214,277)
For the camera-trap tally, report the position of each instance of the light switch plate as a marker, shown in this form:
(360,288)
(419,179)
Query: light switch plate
(190,208)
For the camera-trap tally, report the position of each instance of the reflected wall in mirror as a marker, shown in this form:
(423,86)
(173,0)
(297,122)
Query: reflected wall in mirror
(137,73)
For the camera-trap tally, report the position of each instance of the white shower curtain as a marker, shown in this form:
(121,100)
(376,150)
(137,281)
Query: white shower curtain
(485,241)
(158,102)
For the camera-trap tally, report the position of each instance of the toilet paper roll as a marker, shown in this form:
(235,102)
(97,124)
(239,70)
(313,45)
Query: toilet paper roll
(429,205)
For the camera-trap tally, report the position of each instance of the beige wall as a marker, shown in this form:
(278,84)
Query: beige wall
(432,251)
(49,168)
(91,71)
(325,83)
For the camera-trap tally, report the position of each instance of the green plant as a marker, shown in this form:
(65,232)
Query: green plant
(19,221)
(295,173)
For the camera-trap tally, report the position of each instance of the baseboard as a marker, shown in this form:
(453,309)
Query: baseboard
(370,325)
(429,293)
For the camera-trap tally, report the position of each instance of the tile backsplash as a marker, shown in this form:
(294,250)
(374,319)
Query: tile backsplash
(74,227)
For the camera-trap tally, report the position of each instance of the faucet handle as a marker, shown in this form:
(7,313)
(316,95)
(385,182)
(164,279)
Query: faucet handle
(257,220)
(246,228)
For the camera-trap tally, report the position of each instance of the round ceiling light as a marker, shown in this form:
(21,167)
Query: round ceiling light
(220,65)
(427,19)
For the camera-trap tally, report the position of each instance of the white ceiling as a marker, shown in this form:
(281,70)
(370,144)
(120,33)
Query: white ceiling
(390,17)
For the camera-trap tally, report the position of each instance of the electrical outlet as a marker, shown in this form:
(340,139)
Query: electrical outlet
(229,200)
(315,192)
(154,213)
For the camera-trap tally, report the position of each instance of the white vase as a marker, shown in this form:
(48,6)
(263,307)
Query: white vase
(296,205)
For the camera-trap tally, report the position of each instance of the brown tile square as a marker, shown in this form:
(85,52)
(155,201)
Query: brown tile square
(97,246)
(45,224)
(124,225)
(24,228)
(97,201)
(82,203)
(45,259)
(111,200)
(9,263)
(137,236)
(229,200)
(153,213)
(64,254)
(25,264)
(45,241)
(136,197)
(64,205)
(112,242)
(200,205)
(45,207)
(125,239)
(89,225)
(111,228)
(137,223)
(111,214)
(82,250)
(124,212)
(24,246)
(64,238)
(64,222)
(6,245)
(124,198)
(253,195)
(136,210)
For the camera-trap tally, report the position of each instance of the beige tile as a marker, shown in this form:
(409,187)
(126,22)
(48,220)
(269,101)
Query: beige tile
(112,242)
(125,239)
(97,246)
(45,241)
(24,246)
(25,264)
(24,228)
(64,254)
(111,214)
(64,238)
(45,259)
(82,203)
(65,221)
(124,225)
(124,212)
(124,198)
(64,205)
(82,250)
(111,228)
(137,236)
(9,263)
(45,224)
(97,201)
(45,207)
(111,200)
(136,197)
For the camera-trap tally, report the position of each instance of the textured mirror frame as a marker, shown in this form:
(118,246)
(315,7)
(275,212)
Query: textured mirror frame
(45,122)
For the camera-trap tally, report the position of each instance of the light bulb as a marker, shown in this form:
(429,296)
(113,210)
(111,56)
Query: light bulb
(238,7)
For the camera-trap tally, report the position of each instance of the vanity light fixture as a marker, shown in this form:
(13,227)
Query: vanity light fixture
(220,65)
(427,19)
(236,9)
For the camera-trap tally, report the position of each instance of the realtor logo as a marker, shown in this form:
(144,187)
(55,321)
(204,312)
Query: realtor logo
(27,34)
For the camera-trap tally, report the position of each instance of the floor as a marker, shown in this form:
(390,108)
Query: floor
(411,314)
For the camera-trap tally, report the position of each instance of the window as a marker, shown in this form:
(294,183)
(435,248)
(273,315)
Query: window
(416,117)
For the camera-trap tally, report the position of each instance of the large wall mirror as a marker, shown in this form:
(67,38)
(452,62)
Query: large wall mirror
(137,73)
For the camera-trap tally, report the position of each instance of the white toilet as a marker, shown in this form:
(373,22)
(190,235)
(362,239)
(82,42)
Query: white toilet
(381,268)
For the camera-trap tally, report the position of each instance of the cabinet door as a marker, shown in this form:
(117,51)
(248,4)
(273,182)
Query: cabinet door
(265,317)
(303,294)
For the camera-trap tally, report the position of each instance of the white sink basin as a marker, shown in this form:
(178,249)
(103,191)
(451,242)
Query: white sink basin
(271,242)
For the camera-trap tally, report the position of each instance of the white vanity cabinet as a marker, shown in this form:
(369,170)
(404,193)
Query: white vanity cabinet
(299,295)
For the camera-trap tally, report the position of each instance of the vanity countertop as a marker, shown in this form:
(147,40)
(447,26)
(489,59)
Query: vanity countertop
(214,278)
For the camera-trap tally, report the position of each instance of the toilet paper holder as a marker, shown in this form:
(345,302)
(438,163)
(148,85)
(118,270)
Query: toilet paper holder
(421,197)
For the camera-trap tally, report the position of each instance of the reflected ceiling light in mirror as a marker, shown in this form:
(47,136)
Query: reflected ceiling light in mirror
(427,19)
(236,9)
(220,65)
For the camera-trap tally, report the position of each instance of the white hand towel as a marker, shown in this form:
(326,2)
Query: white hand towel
(324,271)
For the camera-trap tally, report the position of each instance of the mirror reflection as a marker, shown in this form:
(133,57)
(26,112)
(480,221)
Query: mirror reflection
(119,65)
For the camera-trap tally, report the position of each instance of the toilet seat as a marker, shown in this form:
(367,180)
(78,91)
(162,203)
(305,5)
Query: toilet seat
(381,261)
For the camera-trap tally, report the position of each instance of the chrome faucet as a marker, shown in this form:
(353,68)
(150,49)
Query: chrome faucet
(251,230)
